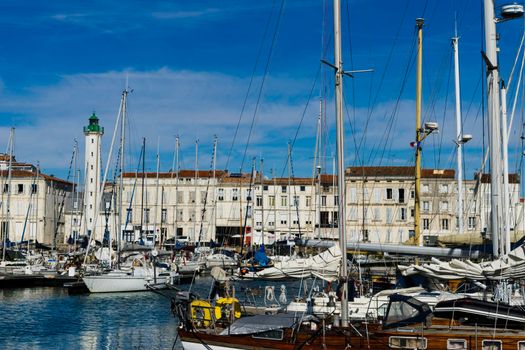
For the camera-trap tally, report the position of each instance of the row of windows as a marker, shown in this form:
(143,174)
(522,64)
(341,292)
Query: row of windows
(20,188)
(407,342)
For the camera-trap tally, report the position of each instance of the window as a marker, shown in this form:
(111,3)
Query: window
(235,194)
(271,201)
(164,216)
(283,189)
(401,195)
(443,188)
(353,213)
(444,224)
(91,154)
(92,140)
(472,224)
(377,214)
(521,345)
(443,206)
(412,194)
(456,344)
(146,216)
(323,201)
(296,201)
(6,188)
(412,212)
(308,201)
(388,215)
(91,180)
(388,193)
(204,196)
(129,215)
(91,193)
(426,224)
(303,188)
(426,206)
(221,194)
(265,188)
(276,334)
(180,197)
(34,189)
(402,214)
(491,345)
(259,201)
(20,188)
(397,342)
(192,196)
(336,200)
(91,166)
(248,195)
(284,201)
(425,189)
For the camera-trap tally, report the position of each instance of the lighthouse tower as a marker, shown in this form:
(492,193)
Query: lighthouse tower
(93,134)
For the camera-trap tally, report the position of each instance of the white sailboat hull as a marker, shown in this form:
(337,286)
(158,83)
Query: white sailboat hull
(122,281)
(186,345)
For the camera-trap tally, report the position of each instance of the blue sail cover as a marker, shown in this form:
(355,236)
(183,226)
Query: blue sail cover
(260,257)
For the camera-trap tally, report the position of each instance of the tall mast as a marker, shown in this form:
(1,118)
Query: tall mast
(118,229)
(493,107)
(142,188)
(288,193)
(156,206)
(213,219)
(505,239)
(417,209)
(262,201)
(176,216)
(195,189)
(7,208)
(340,157)
(459,132)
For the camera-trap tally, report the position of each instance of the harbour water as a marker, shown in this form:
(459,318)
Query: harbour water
(49,318)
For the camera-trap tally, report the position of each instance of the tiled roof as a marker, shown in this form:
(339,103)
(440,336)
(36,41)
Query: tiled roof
(486,178)
(398,171)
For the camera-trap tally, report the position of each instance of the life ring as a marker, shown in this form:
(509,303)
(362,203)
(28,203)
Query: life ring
(244,271)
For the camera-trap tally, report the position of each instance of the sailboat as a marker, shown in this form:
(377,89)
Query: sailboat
(143,273)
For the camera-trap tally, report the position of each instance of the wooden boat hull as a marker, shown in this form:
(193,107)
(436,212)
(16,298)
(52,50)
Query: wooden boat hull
(434,338)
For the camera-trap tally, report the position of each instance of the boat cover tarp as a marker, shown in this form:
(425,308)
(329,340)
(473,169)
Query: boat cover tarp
(509,266)
(262,323)
(324,266)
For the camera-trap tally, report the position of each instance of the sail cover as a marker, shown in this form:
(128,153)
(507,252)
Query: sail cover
(324,266)
(510,266)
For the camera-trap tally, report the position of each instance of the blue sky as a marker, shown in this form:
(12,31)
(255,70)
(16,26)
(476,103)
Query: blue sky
(190,64)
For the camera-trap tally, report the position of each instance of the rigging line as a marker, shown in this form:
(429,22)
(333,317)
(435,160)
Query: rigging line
(265,75)
(303,114)
(386,140)
(252,78)
(440,145)
(382,79)
(351,59)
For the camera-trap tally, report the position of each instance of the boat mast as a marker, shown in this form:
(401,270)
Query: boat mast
(493,108)
(289,191)
(142,189)
(195,189)
(459,131)
(7,209)
(176,216)
(156,206)
(340,158)
(417,209)
(118,230)
(262,201)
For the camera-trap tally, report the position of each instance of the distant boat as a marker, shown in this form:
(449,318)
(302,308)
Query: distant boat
(136,279)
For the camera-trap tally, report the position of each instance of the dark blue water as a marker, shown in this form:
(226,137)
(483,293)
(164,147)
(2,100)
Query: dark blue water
(49,318)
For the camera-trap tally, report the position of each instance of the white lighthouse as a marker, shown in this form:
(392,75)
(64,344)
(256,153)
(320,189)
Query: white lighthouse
(93,134)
